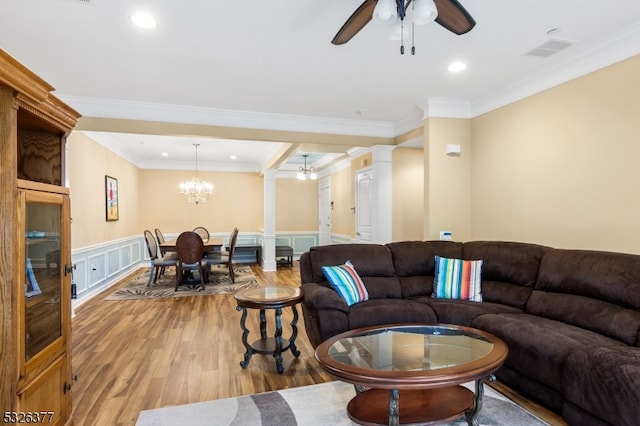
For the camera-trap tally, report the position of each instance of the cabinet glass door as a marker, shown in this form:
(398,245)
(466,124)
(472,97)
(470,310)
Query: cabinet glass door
(43,279)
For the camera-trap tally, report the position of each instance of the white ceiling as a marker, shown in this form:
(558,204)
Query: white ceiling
(270,63)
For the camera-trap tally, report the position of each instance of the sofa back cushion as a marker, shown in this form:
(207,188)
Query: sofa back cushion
(596,290)
(414,263)
(373,263)
(509,269)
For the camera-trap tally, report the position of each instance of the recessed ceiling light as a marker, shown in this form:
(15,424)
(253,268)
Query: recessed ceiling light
(165,154)
(143,20)
(233,157)
(457,66)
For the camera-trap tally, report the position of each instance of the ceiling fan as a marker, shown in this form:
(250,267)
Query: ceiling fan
(450,14)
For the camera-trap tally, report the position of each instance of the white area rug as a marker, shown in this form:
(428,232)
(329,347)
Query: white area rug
(323,404)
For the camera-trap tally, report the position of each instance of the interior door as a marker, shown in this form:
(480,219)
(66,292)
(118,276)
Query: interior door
(364,201)
(324,211)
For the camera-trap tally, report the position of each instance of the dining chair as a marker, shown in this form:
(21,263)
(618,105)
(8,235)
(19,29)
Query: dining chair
(203,232)
(225,258)
(158,263)
(190,248)
(160,238)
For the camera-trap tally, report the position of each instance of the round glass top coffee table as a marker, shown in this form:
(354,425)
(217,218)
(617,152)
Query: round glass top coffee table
(413,373)
(269,298)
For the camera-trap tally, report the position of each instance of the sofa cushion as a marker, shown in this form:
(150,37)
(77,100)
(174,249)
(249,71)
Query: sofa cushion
(603,381)
(414,263)
(389,311)
(346,281)
(509,271)
(595,290)
(591,314)
(538,347)
(457,279)
(462,312)
(372,261)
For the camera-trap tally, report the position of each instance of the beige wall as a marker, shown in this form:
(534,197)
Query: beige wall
(296,205)
(408,194)
(561,167)
(88,163)
(237,201)
(447,192)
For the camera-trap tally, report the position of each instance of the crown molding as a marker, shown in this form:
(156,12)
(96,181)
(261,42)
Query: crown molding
(446,108)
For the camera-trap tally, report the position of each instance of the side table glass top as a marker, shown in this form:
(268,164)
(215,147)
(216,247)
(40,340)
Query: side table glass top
(423,348)
(266,294)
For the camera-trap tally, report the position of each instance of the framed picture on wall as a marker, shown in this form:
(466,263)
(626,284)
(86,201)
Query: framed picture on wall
(111,198)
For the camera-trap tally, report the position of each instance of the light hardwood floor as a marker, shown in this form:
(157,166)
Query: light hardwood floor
(137,355)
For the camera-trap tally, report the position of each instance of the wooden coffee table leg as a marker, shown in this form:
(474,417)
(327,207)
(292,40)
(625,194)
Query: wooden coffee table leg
(245,332)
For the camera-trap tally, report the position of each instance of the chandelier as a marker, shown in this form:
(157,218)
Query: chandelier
(196,190)
(394,12)
(304,172)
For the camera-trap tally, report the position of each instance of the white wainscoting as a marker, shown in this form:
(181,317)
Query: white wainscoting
(100,266)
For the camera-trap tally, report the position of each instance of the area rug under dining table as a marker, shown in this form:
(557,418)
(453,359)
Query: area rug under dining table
(220,283)
(322,404)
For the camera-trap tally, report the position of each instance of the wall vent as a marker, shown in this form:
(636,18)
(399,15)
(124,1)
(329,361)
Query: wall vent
(550,47)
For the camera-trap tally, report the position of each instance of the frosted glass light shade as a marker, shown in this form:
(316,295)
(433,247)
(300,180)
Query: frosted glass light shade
(385,11)
(424,11)
(395,30)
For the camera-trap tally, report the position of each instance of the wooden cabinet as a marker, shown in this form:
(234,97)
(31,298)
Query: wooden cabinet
(35,282)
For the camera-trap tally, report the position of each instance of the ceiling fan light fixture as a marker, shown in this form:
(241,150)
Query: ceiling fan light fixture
(424,12)
(395,30)
(385,11)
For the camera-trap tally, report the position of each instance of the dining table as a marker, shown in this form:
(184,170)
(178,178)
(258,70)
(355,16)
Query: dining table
(214,244)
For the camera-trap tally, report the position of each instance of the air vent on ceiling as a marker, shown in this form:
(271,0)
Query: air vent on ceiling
(550,47)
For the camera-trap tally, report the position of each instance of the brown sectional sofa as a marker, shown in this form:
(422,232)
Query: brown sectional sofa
(571,318)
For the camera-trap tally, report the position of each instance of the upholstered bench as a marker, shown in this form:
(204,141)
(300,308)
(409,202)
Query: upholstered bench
(284,255)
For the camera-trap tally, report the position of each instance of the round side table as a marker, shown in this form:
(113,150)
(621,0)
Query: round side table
(264,298)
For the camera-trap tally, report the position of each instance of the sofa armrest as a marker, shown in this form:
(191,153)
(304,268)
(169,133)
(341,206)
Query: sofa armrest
(321,297)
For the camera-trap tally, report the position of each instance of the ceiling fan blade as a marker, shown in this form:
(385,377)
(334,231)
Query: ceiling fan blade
(355,23)
(454,17)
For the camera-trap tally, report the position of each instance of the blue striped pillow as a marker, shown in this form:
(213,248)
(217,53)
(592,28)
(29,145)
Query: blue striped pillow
(457,279)
(346,281)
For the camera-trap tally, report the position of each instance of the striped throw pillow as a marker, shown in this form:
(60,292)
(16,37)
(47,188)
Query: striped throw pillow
(346,281)
(457,279)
